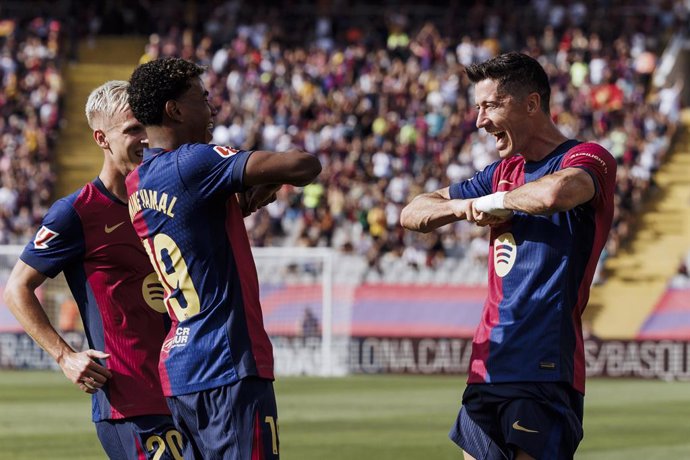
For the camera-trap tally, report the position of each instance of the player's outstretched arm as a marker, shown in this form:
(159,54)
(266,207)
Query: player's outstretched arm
(293,167)
(21,299)
(429,211)
(557,192)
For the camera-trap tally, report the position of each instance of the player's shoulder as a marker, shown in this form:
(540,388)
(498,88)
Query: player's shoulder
(61,226)
(592,152)
(67,203)
(589,147)
(222,151)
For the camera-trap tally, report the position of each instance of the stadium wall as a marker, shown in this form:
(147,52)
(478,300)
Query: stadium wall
(322,327)
(646,359)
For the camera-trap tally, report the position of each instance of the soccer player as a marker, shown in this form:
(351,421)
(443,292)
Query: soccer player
(187,201)
(87,236)
(549,204)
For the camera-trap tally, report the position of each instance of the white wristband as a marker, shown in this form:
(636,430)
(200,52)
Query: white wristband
(492,204)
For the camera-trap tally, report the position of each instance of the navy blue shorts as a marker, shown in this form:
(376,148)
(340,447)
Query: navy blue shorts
(143,437)
(232,422)
(544,419)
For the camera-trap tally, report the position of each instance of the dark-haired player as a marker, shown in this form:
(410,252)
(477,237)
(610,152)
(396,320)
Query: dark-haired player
(549,202)
(87,236)
(187,201)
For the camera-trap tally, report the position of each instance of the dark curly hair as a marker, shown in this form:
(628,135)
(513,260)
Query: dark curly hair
(154,83)
(516,74)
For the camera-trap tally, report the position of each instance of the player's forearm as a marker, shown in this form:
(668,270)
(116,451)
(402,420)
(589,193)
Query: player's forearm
(428,212)
(24,305)
(553,193)
(307,167)
(293,167)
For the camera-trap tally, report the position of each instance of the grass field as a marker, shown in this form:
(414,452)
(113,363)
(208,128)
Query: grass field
(359,418)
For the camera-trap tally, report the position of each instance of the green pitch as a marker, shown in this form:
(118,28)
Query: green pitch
(362,418)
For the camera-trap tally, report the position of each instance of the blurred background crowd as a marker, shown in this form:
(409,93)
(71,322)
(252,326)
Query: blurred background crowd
(29,122)
(376,90)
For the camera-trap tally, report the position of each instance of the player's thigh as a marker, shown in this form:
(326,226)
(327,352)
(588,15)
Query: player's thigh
(476,428)
(151,436)
(230,422)
(260,397)
(467,456)
(474,432)
(522,455)
(541,429)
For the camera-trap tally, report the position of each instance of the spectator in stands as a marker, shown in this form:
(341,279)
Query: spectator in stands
(29,115)
(549,204)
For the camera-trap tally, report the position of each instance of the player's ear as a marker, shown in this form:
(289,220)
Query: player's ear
(172,110)
(101,139)
(533,103)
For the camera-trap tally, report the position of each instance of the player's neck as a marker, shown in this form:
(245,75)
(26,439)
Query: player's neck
(114,182)
(543,142)
(165,137)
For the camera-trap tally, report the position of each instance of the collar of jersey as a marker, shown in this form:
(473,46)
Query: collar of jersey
(101,187)
(531,166)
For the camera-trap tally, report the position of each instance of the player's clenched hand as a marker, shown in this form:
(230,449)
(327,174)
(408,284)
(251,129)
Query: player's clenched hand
(461,208)
(257,197)
(483,219)
(81,369)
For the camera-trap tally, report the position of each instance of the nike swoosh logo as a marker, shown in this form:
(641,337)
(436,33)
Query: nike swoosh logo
(113,228)
(518,427)
(503,181)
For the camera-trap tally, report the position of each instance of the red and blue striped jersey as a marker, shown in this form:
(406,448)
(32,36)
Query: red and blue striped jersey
(88,237)
(540,271)
(184,208)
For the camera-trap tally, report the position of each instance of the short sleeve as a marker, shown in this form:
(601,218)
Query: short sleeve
(58,243)
(478,185)
(211,169)
(598,163)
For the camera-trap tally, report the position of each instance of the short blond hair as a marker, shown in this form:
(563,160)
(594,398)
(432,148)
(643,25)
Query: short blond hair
(106,100)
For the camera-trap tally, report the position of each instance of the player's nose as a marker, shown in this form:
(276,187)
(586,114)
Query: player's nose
(214,109)
(482,119)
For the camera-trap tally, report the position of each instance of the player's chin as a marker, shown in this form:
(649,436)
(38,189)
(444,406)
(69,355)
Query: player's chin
(505,152)
(209,132)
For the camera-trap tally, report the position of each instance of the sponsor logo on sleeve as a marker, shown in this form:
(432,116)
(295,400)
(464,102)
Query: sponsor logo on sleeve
(594,157)
(225,152)
(43,237)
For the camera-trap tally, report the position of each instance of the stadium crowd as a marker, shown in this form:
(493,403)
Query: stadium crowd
(29,121)
(384,103)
